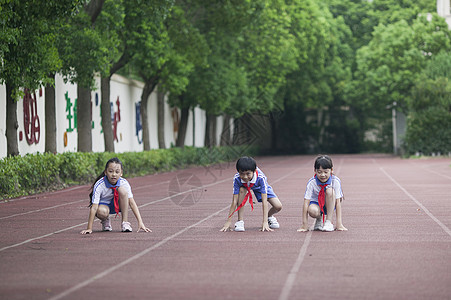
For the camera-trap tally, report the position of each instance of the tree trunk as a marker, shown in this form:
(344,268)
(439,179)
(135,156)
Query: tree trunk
(105,109)
(12,146)
(160,105)
(273,122)
(210,131)
(207,142)
(149,86)
(183,126)
(84,119)
(320,124)
(214,125)
(225,134)
(93,8)
(239,136)
(50,117)
(105,106)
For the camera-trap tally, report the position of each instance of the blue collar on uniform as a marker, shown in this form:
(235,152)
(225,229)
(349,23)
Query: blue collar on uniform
(318,182)
(109,185)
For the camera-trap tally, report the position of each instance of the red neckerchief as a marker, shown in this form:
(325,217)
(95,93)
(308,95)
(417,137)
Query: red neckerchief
(248,195)
(116,199)
(115,193)
(322,193)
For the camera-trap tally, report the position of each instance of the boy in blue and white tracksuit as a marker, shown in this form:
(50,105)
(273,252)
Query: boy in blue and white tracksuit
(248,182)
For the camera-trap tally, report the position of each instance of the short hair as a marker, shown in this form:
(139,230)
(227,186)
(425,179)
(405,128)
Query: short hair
(246,163)
(323,161)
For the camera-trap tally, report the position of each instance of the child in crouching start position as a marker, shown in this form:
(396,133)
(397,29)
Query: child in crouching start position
(251,180)
(112,194)
(323,194)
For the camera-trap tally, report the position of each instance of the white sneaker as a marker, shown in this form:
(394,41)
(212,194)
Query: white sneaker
(126,227)
(106,225)
(318,224)
(239,226)
(273,224)
(328,226)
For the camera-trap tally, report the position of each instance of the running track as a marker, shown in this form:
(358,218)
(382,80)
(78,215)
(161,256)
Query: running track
(398,246)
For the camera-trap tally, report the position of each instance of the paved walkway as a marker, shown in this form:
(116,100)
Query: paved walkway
(398,246)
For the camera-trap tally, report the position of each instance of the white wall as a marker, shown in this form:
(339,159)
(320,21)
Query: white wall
(128,92)
(444,10)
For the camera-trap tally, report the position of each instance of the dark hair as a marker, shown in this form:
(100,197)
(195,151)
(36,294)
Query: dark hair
(246,163)
(111,160)
(324,162)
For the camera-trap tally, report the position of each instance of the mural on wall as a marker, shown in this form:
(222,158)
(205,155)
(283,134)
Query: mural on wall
(175,122)
(31,121)
(116,118)
(125,105)
(71,116)
(139,127)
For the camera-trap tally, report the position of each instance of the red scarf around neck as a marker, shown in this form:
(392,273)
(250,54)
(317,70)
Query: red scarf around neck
(116,199)
(248,196)
(322,193)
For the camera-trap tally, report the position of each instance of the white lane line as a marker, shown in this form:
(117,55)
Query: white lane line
(84,223)
(41,209)
(443,226)
(131,259)
(437,173)
(289,282)
(295,269)
(142,253)
(59,205)
(42,236)
(34,196)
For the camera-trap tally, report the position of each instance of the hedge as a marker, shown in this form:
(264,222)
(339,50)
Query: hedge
(36,173)
(428,132)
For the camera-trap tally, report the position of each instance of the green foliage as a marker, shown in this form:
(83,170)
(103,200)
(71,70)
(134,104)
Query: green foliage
(32,174)
(429,121)
(85,50)
(27,40)
(429,132)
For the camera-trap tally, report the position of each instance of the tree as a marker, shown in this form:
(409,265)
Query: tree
(28,53)
(323,66)
(393,60)
(429,120)
(85,49)
(123,20)
(167,54)
(115,19)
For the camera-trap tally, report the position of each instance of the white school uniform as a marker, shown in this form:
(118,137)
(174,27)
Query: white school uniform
(312,189)
(103,194)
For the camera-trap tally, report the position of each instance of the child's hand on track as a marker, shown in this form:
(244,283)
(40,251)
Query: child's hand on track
(341,228)
(144,228)
(303,229)
(226,227)
(86,231)
(265,227)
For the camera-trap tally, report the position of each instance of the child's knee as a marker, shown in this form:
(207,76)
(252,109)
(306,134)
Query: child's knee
(103,212)
(123,195)
(314,211)
(277,206)
(330,192)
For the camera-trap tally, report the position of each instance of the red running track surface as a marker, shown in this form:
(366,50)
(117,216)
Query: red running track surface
(398,246)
